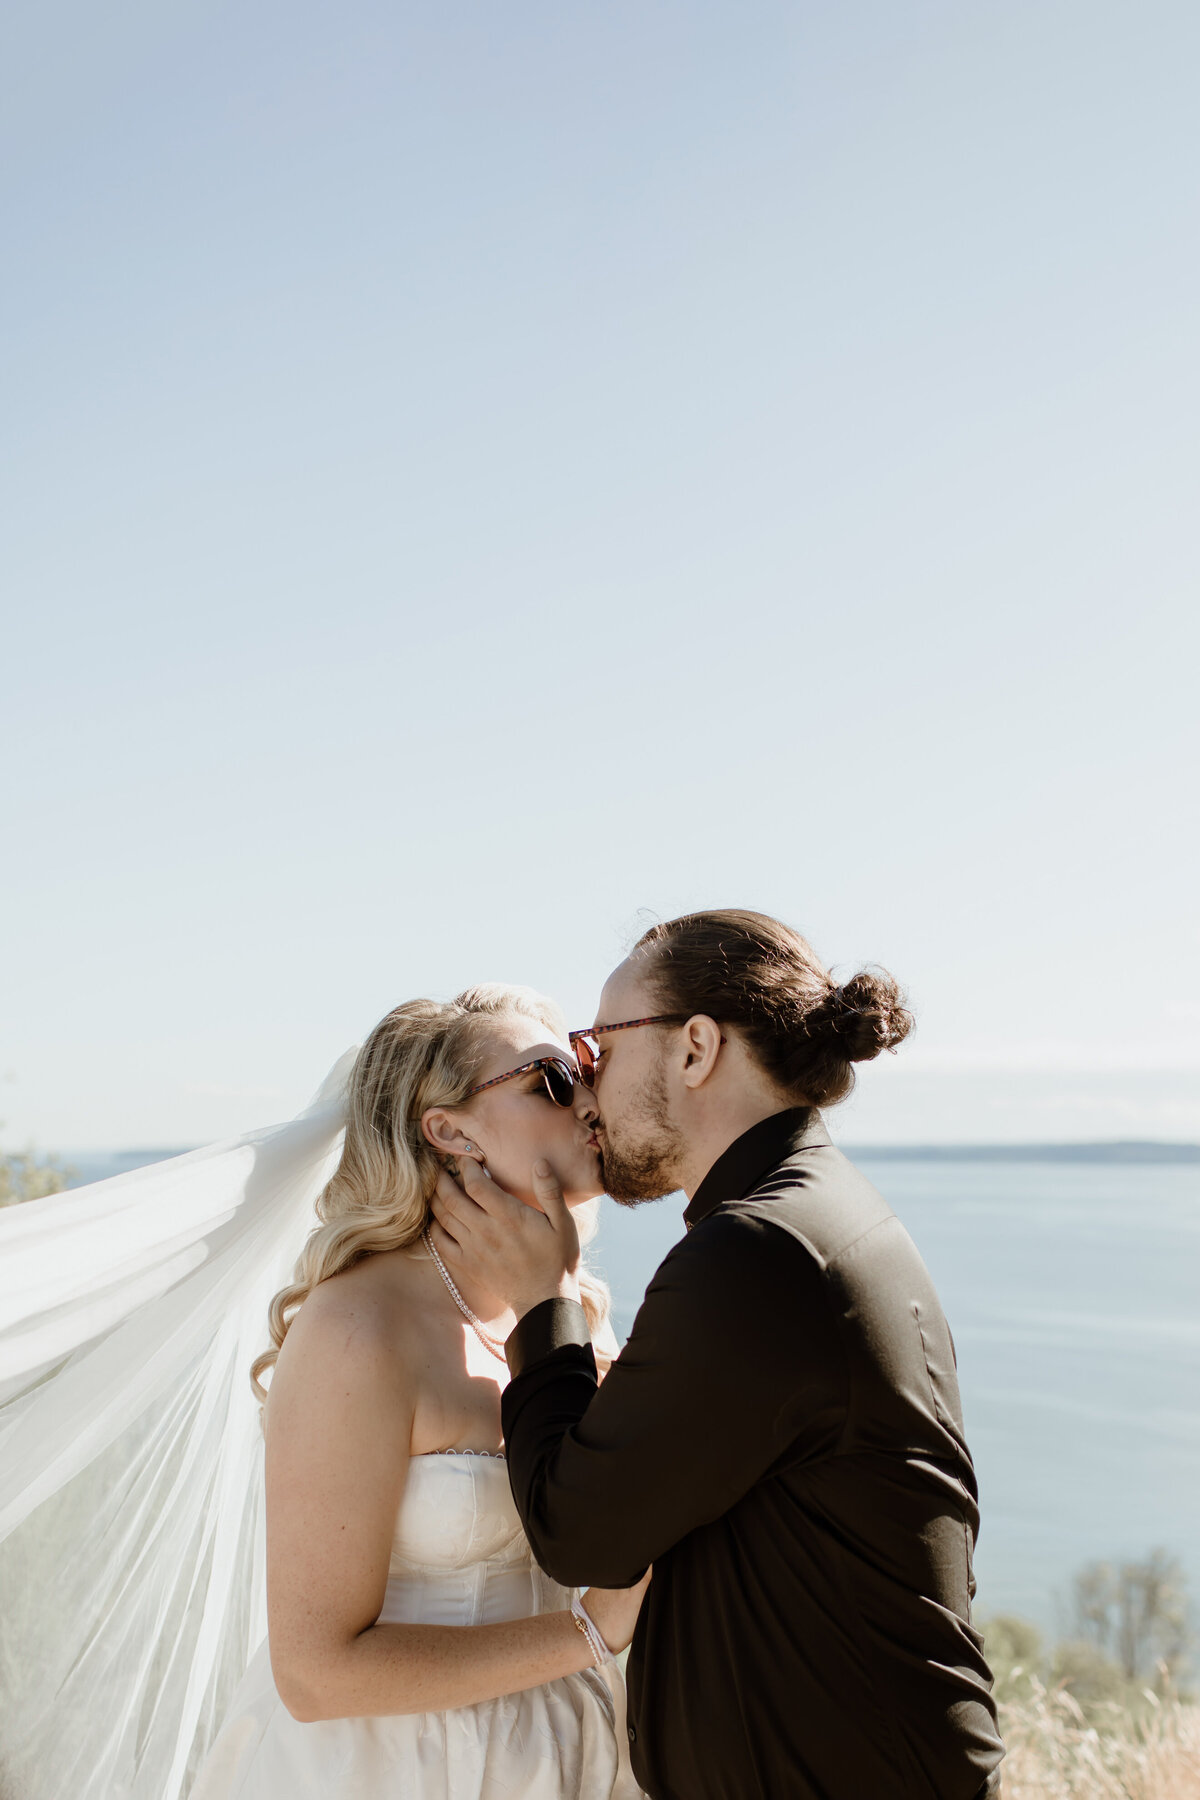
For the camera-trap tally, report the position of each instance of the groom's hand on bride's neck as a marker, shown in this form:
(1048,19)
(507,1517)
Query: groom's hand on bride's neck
(500,1246)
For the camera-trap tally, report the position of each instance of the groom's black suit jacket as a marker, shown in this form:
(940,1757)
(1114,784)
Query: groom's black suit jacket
(782,1438)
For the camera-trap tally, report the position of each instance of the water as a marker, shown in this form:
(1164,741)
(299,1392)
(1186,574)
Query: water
(1072,1291)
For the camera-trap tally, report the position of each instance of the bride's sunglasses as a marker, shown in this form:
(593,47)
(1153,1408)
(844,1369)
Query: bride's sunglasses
(557,1073)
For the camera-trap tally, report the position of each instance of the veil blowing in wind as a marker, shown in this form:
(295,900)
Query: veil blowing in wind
(132,1544)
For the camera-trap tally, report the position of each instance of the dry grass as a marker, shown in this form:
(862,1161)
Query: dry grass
(1056,1752)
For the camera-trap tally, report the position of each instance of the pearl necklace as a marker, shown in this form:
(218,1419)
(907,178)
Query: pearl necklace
(494,1344)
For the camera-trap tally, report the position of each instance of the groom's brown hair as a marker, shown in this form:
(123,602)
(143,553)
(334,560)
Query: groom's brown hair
(751,971)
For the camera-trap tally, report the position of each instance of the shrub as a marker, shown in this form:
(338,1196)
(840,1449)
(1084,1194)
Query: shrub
(23,1177)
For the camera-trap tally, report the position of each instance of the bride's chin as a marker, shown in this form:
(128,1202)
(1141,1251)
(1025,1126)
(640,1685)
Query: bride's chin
(585,1191)
(588,1184)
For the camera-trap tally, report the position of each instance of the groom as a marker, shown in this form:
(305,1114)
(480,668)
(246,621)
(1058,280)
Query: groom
(781,1436)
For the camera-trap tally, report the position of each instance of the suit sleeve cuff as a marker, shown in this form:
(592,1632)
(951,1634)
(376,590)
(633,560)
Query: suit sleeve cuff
(547,1327)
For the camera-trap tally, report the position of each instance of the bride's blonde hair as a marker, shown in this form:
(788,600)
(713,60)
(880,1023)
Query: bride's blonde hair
(424,1053)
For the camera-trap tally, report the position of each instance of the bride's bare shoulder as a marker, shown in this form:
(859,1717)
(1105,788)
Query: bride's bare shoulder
(358,1317)
(345,1370)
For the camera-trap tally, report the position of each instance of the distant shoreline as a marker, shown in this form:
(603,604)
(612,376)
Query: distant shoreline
(99,1165)
(1128,1152)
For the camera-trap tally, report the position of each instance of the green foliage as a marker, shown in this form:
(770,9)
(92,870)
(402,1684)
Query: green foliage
(1135,1613)
(23,1176)
(1096,1681)
(1093,1684)
(1015,1654)
(1122,1664)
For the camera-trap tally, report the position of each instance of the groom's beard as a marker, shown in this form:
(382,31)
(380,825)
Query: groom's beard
(640,1162)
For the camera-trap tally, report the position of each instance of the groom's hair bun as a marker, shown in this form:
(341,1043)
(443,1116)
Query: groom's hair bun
(751,971)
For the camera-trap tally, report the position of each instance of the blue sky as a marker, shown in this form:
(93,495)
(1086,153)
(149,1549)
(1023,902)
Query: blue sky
(475,475)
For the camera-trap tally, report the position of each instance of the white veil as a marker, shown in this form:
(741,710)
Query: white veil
(132,1579)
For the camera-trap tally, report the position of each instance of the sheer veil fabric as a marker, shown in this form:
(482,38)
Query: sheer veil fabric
(132,1545)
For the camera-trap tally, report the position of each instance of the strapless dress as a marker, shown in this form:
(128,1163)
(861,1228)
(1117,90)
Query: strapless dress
(459,1557)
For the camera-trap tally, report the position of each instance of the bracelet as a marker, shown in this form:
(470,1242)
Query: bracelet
(584,1623)
(587,1636)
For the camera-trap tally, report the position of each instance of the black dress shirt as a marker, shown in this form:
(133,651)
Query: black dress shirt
(782,1438)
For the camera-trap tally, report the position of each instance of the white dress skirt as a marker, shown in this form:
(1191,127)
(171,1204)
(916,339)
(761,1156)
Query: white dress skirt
(459,1557)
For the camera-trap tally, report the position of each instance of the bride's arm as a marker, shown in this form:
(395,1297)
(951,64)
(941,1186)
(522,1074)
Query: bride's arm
(337,1436)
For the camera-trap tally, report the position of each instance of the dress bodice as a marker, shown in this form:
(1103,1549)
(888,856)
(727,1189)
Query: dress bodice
(457,1509)
(459,1554)
(459,1557)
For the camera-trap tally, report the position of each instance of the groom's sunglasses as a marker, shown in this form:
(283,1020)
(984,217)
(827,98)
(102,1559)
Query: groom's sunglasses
(587,1050)
(557,1073)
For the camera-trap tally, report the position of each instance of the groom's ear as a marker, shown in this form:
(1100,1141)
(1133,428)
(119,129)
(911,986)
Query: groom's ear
(702,1042)
(440,1130)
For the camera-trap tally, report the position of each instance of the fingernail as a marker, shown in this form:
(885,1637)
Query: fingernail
(541,1166)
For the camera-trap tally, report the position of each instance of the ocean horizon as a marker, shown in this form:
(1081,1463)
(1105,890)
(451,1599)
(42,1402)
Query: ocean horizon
(1070,1289)
(90,1165)
(1069,1275)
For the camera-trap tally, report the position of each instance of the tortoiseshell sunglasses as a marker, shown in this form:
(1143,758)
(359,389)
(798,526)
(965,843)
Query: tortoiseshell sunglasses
(588,1052)
(557,1073)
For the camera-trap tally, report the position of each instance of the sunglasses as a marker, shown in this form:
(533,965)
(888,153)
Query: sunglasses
(587,1050)
(557,1073)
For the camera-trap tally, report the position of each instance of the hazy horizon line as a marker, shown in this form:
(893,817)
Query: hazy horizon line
(1131,1150)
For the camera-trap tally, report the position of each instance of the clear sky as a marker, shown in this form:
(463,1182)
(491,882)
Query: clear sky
(474,472)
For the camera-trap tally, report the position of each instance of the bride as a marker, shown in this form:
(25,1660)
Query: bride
(413,1646)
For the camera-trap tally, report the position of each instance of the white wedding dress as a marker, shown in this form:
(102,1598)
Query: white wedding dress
(459,1557)
(132,1517)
